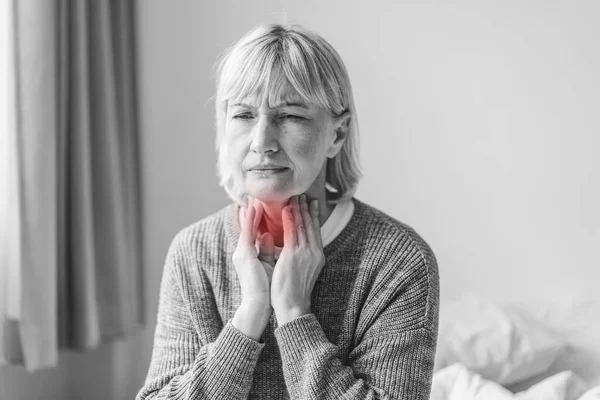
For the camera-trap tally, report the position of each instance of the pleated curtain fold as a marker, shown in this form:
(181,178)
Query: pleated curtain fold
(76,234)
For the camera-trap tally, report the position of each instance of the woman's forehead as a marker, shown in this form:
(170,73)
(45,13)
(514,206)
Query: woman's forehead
(285,95)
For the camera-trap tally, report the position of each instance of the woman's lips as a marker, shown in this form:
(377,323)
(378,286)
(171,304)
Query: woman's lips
(269,171)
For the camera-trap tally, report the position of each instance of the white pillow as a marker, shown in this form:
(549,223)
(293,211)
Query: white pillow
(456,382)
(502,344)
(565,385)
(592,394)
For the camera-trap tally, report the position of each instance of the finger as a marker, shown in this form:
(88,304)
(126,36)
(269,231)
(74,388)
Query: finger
(247,233)
(243,239)
(257,217)
(243,222)
(298,223)
(289,230)
(316,223)
(308,221)
(267,249)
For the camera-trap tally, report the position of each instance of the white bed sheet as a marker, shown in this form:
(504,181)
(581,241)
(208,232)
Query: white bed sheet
(579,324)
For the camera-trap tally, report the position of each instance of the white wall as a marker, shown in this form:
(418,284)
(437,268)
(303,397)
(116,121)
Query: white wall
(479,127)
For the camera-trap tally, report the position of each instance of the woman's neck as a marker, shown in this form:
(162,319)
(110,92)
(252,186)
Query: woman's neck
(272,221)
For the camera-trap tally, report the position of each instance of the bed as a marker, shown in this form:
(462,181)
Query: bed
(502,351)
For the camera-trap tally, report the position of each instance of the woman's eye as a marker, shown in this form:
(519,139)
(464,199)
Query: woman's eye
(242,116)
(289,117)
(292,117)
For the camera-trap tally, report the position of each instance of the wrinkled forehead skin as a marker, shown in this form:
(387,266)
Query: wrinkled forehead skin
(275,96)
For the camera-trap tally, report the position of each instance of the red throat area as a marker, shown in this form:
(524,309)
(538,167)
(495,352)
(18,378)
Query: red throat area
(277,236)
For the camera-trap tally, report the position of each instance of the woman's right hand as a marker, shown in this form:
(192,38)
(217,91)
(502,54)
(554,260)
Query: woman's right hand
(254,268)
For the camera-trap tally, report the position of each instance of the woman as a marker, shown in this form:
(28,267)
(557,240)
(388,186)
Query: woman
(297,289)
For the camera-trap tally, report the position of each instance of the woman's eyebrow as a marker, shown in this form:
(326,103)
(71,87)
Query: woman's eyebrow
(284,104)
(291,104)
(241,105)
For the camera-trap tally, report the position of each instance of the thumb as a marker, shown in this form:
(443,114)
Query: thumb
(267,249)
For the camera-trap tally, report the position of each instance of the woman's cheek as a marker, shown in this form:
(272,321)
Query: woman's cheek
(235,158)
(305,145)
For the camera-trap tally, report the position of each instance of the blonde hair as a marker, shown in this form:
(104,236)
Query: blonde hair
(261,62)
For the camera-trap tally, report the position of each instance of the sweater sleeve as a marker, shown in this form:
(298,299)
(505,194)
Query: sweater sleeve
(394,358)
(192,363)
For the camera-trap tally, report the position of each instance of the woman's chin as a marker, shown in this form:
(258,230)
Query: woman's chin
(269,197)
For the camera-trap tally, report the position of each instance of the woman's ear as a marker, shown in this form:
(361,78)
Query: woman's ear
(341,129)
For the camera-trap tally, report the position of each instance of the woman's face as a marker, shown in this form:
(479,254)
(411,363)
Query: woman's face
(279,152)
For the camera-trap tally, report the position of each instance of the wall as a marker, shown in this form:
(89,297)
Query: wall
(479,129)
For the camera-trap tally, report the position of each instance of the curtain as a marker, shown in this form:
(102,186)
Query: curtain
(74,216)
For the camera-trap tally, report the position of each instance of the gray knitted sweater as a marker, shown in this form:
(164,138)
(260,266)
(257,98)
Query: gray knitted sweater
(371,333)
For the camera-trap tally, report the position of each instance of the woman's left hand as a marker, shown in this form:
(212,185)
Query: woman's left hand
(300,262)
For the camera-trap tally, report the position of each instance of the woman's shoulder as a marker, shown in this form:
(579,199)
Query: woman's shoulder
(384,230)
(205,231)
(401,261)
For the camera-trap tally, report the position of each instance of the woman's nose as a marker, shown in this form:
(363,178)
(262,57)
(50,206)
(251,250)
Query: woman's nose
(264,136)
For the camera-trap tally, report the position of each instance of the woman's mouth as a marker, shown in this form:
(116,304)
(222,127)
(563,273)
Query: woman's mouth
(270,171)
